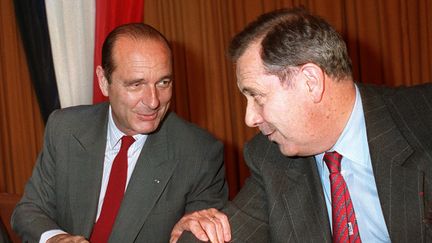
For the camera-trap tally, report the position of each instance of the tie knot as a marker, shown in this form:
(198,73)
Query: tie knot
(127,141)
(333,161)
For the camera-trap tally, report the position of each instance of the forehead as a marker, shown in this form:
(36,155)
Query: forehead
(250,70)
(148,52)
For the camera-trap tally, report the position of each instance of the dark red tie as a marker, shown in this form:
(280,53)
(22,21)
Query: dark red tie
(345,227)
(114,194)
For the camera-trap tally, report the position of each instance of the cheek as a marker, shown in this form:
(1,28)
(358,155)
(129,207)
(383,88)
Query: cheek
(276,113)
(130,99)
(287,117)
(165,96)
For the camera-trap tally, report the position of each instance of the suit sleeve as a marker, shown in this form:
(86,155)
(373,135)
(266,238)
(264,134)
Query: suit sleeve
(248,212)
(211,190)
(35,212)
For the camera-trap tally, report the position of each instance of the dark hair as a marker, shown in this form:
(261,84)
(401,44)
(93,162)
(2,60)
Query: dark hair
(137,31)
(292,37)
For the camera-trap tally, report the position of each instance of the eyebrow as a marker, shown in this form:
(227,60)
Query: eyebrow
(169,76)
(242,89)
(131,81)
(249,90)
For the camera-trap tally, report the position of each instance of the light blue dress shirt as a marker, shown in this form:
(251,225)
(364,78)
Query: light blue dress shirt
(358,174)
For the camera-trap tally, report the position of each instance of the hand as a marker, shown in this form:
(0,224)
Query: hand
(207,225)
(67,238)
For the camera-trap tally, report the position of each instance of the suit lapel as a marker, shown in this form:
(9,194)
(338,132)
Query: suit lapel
(304,201)
(389,153)
(151,174)
(87,148)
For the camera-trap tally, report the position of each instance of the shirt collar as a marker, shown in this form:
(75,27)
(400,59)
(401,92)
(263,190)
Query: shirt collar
(114,134)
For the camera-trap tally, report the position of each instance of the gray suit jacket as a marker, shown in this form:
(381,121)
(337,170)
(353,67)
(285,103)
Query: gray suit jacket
(180,169)
(283,200)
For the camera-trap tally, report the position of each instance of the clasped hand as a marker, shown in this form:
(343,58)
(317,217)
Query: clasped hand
(207,225)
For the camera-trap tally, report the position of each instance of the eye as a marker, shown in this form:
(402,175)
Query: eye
(133,85)
(259,100)
(164,83)
(252,94)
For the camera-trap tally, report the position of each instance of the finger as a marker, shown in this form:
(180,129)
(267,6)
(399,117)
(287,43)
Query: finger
(225,231)
(175,233)
(74,239)
(174,237)
(190,223)
(57,238)
(80,239)
(210,227)
(63,239)
(223,219)
(219,229)
(223,228)
(200,233)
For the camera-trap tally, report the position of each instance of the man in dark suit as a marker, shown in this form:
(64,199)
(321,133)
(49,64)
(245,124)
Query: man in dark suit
(171,168)
(336,161)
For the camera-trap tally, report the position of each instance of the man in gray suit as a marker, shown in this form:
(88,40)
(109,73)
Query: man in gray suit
(172,166)
(295,72)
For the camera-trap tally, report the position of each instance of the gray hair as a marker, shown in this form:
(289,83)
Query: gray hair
(293,37)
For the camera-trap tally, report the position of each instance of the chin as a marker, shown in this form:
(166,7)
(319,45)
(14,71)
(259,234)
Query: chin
(287,151)
(146,128)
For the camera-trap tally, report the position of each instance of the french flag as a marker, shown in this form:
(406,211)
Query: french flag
(63,42)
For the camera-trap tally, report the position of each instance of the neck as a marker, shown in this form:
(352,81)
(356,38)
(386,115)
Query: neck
(338,104)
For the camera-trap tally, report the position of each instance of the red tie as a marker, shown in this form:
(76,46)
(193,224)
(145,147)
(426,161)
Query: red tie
(345,227)
(114,194)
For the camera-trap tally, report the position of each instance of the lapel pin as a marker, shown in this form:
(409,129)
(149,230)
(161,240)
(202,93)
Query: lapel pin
(157,181)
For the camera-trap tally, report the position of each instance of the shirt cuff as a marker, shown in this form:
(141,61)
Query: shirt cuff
(49,234)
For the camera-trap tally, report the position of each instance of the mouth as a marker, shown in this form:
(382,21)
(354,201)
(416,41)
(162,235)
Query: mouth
(270,137)
(147,117)
(268,134)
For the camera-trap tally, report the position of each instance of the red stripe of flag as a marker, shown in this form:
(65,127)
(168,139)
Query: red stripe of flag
(110,14)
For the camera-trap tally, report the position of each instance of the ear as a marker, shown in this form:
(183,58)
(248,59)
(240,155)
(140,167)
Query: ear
(103,82)
(315,78)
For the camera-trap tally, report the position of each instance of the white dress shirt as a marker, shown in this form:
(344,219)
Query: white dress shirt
(112,148)
(356,168)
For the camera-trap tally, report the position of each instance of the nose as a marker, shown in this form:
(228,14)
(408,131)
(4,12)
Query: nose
(151,97)
(253,117)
